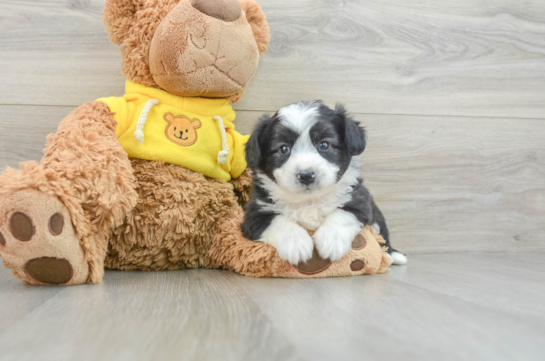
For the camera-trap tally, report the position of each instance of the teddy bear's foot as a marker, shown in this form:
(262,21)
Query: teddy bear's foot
(38,241)
(230,250)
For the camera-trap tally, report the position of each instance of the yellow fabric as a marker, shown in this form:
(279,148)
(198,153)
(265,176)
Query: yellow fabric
(202,155)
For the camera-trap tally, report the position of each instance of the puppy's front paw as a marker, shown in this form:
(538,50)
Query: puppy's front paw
(296,248)
(332,242)
(292,243)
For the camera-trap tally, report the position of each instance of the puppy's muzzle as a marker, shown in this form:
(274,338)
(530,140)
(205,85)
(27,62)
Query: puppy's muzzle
(306,177)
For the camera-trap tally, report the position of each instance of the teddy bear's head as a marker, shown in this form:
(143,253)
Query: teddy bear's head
(207,48)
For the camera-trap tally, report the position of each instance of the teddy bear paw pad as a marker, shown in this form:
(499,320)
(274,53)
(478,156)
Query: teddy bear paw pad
(315,264)
(38,241)
(357,265)
(50,270)
(359,242)
(21,227)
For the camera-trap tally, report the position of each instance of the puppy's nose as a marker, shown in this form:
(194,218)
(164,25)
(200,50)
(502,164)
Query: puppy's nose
(226,10)
(306,177)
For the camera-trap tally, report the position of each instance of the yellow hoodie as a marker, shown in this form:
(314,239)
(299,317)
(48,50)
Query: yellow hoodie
(196,133)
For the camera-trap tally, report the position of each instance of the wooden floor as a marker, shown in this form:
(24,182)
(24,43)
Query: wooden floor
(439,307)
(452,93)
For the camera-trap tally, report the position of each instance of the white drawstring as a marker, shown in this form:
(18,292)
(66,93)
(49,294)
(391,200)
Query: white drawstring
(224,153)
(139,132)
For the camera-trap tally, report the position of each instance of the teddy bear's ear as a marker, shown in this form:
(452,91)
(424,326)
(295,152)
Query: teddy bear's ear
(168,117)
(258,22)
(118,16)
(196,123)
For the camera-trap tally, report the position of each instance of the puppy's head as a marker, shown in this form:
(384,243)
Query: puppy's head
(305,147)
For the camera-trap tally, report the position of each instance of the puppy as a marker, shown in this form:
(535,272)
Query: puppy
(306,168)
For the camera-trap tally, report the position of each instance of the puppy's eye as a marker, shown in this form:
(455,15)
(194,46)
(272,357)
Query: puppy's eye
(285,149)
(324,146)
(174,128)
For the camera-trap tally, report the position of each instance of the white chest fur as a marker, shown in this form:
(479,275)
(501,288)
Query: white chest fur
(309,217)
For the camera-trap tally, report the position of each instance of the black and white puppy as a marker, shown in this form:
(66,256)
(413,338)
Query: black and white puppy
(306,168)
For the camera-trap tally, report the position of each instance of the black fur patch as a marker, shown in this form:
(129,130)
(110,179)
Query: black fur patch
(366,211)
(343,134)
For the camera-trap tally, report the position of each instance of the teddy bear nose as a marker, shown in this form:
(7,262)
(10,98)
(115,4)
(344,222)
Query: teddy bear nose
(226,10)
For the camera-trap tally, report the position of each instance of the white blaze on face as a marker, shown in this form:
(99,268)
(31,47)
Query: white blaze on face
(304,156)
(300,116)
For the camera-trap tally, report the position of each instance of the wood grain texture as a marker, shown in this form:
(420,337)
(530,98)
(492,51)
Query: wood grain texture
(23,131)
(459,184)
(396,57)
(439,307)
(444,57)
(445,184)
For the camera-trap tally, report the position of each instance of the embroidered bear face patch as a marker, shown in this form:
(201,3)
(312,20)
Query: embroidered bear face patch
(181,130)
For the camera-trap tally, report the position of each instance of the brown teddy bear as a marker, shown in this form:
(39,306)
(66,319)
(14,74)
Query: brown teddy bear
(153,180)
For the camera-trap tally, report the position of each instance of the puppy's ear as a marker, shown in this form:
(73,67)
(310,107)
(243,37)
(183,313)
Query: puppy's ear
(253,146)
(354,135)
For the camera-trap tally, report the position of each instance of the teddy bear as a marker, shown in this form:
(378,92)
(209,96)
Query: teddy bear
(155,179)
(117,186)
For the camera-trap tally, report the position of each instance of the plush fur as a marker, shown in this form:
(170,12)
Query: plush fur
(169,228)
(121,213)
(134,24)
(307,176)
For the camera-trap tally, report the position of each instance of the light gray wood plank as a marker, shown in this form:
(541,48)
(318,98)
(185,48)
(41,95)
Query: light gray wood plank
(429,309)
(140,316)
(445,184)
(483,279)
(56,52)
(23,131)
(383,317)
(22,300)
(395,57)
(457,184)
(406,57)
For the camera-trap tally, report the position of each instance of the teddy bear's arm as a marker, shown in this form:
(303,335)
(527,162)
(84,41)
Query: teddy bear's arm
(68,204)
(122,112)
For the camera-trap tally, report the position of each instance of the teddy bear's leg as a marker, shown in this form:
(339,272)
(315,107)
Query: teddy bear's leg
(56,217)
(174,221)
